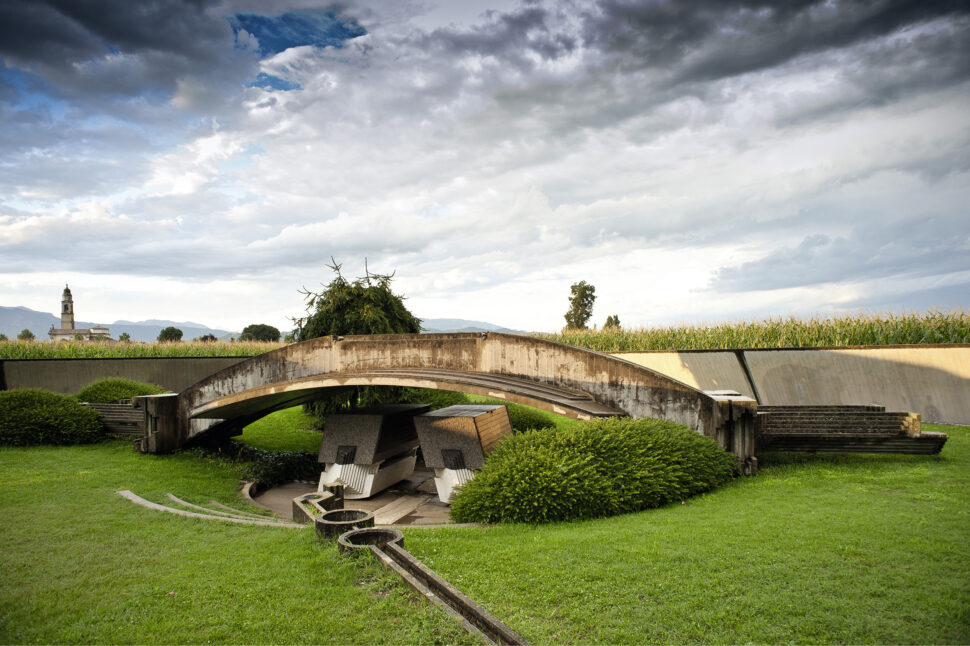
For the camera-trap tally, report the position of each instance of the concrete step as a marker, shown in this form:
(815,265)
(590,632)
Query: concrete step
(399,508)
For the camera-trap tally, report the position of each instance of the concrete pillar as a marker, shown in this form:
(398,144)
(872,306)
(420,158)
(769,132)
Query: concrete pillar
(735,431)
(162,426)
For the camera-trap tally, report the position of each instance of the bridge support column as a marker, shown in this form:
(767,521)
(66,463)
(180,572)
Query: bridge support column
(736,427)
(162,423)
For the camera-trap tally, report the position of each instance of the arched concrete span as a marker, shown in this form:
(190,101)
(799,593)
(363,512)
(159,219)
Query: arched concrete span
(553,376)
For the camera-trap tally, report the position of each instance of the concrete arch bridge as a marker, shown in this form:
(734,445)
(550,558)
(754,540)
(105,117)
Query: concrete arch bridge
(551,376)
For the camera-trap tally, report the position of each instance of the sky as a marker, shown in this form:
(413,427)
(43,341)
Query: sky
(696,162)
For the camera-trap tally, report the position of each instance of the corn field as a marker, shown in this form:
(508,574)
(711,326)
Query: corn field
(863,330)
(93,350)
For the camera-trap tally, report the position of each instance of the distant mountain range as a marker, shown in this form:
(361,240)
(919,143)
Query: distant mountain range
(462,325)
(15,319)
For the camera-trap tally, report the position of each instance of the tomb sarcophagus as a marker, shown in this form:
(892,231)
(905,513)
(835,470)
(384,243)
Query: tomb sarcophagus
(370,449)
(455,441)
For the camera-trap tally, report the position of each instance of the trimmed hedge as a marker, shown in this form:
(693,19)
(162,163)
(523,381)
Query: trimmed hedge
(601,468)
(111,389)
(32,416)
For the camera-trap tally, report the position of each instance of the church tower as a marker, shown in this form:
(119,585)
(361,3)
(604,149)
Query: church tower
(67,309)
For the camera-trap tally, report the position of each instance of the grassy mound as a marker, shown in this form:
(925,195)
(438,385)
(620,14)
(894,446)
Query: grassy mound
(111,389)
(32,416)
(601,468)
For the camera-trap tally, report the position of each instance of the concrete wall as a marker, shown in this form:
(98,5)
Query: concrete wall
(932,380)
(68,376)
(715,370)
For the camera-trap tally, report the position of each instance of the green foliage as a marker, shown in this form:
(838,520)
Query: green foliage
(874,330)
(437,398)
(94,350)
(208,338)
(32,416)
(260,332)
(125,337)
(363,306)
(526,418)
(612,320)
(3,337)
(111,389)
(170,334)
(271,468)
(601,468)
(25,335)
(581,298)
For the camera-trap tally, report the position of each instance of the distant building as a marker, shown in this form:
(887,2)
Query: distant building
(67,332)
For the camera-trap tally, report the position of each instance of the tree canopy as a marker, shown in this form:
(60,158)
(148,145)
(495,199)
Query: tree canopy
(259,332)
(170,333)
(612,320)
(362,306)
(26,335)
(581,298)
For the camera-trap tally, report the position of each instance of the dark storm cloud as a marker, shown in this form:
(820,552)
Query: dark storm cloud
(506,36)
(60,39)
(915,248)
(709,40)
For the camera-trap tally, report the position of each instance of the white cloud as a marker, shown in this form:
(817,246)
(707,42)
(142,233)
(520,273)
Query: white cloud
(494,163)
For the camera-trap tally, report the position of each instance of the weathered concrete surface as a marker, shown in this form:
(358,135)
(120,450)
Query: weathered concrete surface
(551,376)
(68,376)
(704,370)
(933,381)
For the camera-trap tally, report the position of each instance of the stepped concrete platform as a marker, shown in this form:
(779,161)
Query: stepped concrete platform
(843,429)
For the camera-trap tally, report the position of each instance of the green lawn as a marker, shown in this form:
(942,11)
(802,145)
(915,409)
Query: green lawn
(80,564)
(860,549)
(287,430)
(816,549)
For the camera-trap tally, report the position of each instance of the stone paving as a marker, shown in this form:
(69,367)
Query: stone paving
(412,501)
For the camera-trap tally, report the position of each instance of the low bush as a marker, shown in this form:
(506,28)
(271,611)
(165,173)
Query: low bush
(111,389)
(601,468)
(270,468)
(32,416)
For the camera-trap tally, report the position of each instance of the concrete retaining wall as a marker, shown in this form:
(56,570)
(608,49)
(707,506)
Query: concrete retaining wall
(68,376)
(932,380)
(715,370)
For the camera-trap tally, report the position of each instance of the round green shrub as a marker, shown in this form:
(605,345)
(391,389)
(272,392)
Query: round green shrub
(33,416)
(111,389)
(601,468)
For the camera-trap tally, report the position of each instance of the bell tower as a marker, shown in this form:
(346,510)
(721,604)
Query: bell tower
(67,309)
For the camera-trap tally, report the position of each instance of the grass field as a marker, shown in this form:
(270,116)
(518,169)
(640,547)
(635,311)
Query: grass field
(861,549)
(90,350)
(859,330)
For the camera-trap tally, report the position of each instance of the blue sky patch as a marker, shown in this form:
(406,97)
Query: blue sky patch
(270,82)
(279,32)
